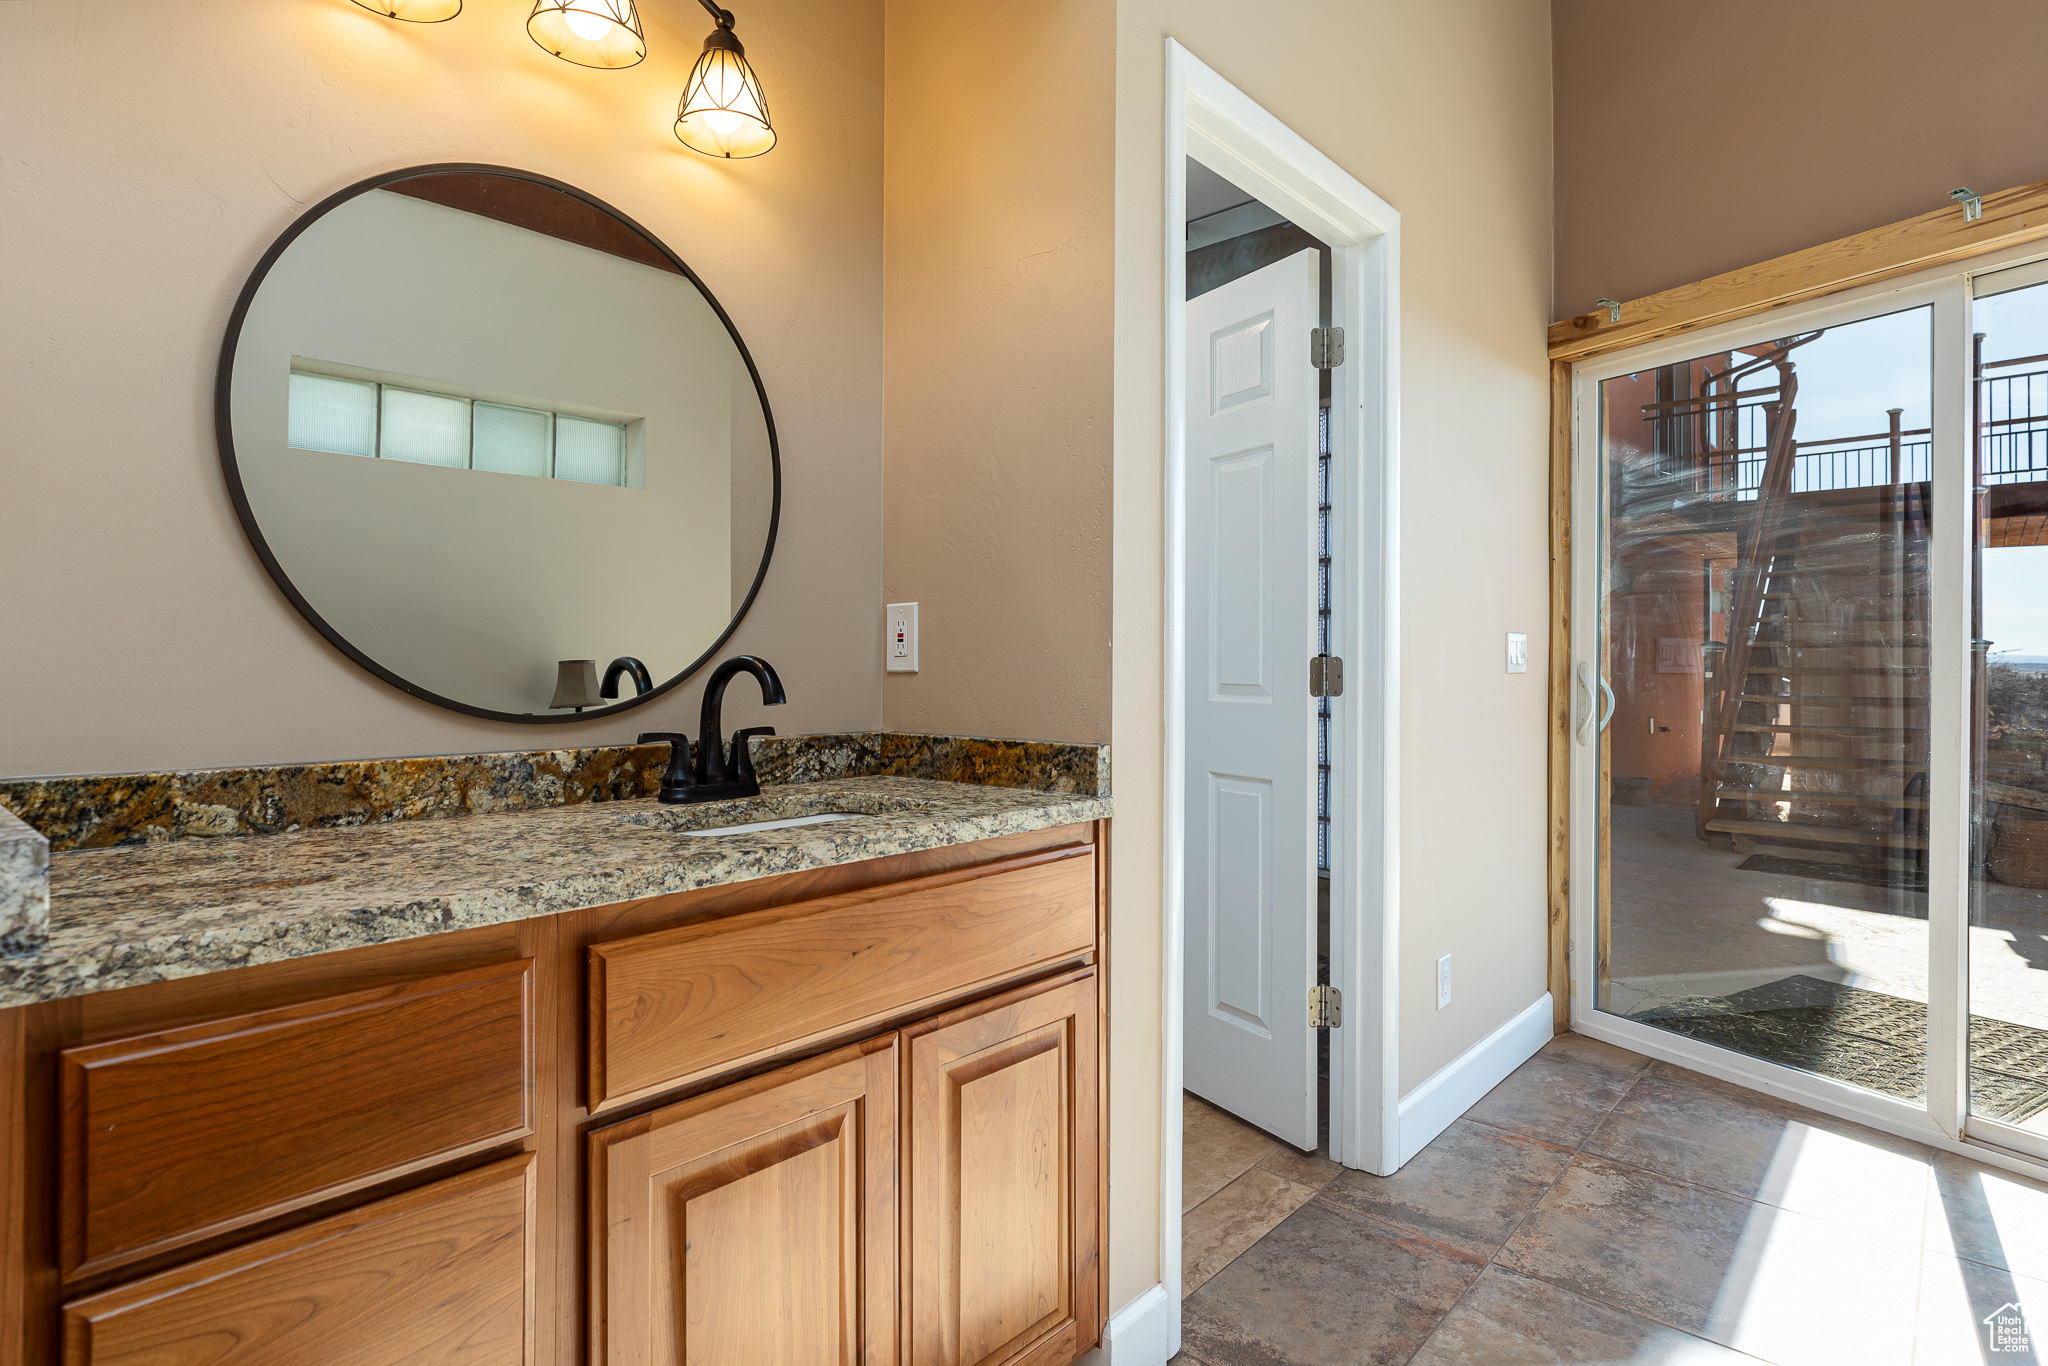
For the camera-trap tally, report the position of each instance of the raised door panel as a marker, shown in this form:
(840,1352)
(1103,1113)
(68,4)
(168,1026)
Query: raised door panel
(682,1003)
(755,1224)
(442,1274)
(1002,1146)
(178,1135)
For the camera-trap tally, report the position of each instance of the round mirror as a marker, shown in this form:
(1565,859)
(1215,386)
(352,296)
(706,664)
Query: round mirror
(492,437)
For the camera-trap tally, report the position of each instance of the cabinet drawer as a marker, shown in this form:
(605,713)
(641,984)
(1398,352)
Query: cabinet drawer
(440,1274)
(677,1004)
(176,1136)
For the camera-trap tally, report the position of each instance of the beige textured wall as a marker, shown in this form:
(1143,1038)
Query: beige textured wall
(1691,141)
(152,152)
(998,250)
(1444,111)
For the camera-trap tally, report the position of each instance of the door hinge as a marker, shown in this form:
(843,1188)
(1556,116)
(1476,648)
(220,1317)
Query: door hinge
(1325,1007)
(1326,676)
(1326,347)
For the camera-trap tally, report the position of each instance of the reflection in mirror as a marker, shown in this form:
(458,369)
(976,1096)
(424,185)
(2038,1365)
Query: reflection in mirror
(483,426)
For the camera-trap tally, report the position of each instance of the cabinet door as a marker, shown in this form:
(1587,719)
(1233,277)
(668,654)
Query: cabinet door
(1002,1158)
(755,1224)
(442,1274)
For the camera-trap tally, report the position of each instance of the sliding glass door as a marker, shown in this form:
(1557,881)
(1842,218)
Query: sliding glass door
(2008,708)
(1810,652)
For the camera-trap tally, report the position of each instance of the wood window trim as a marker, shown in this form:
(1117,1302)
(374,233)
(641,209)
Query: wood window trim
(2011,217)
(1942,237)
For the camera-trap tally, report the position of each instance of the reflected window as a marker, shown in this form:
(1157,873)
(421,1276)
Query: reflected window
(350,416)
(329,414)
(589,452)
(511,440)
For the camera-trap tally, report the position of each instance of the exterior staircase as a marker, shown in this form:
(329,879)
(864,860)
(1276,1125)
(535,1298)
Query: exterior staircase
(1816,736)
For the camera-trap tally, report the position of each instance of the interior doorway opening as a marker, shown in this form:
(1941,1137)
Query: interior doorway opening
(1281,186)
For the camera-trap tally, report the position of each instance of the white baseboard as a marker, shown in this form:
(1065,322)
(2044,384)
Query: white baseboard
(1429,1109)
(1139,1334)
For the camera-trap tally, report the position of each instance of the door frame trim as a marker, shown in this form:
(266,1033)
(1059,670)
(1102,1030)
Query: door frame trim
(1208,117)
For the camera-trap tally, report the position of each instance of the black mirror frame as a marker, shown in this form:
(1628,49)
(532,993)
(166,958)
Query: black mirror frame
(223,421)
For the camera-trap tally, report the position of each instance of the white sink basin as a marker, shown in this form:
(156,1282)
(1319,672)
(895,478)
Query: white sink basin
(776,809)
(783,824)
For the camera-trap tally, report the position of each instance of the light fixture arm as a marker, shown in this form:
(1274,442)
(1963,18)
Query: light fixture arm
(722,16)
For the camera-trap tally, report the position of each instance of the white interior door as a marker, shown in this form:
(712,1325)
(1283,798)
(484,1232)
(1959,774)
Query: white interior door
(1251,605)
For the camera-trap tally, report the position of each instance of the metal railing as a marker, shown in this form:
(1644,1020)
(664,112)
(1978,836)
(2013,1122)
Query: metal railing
(1730,438)
(2013,410)
(1723,440)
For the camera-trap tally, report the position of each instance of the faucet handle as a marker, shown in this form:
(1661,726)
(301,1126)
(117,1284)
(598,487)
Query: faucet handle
(742,755)
(679,774)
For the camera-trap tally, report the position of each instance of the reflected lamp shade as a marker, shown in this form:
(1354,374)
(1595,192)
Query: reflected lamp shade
(599,33)
(415,11)
(723,112)
(576,684)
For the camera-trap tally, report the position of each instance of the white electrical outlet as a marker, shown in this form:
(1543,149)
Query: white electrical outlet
(1443,981)
(900,650)
(1518,652)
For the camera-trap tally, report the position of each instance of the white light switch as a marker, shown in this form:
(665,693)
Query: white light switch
(901,651)
(1443,981)
(1518,652)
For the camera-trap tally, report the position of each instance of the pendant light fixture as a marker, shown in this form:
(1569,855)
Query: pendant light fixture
(415,11)
(723,112)
(600,33)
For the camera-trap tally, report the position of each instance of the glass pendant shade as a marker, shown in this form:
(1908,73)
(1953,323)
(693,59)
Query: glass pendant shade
(600,33)
(415,11)
(724,113)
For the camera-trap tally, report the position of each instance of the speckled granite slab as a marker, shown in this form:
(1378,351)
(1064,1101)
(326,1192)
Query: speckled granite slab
(24,886)
(104,811)
(101,811)
(1042,765)
(123,917)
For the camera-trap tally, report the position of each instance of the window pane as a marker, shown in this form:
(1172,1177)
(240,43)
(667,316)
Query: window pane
(1764,627)
(590,452)
(328,414)
(2008,1014)
(427,429)
(512,440)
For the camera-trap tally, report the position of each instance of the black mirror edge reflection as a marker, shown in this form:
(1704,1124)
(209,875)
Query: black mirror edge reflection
(223,415)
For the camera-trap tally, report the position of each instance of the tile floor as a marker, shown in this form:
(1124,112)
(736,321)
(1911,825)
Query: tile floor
(1597,1207)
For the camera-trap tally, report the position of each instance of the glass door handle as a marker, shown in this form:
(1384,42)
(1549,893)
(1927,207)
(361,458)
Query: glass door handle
(1587,679)
(1586,691)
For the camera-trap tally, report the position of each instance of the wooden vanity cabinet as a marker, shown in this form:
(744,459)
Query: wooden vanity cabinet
(760,1222)
(847,1115)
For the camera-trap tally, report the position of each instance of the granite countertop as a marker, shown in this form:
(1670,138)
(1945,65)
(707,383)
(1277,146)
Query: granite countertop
(124,916)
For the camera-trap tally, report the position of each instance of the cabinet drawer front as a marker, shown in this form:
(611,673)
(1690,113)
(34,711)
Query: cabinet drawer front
(440,1274)
(676,1004)
(180,1135)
